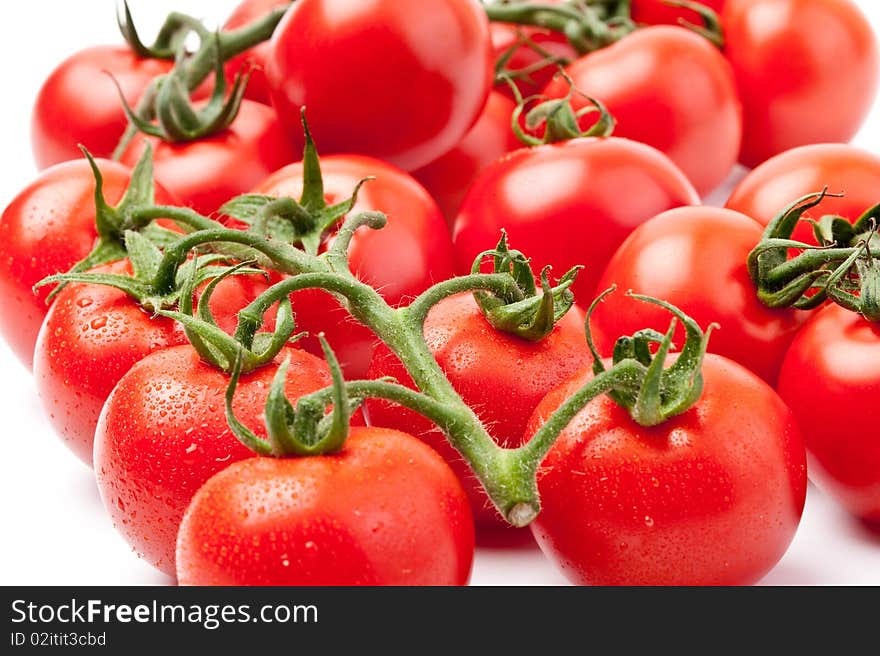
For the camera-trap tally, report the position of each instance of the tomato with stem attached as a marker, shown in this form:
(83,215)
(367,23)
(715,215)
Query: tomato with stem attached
(659,12)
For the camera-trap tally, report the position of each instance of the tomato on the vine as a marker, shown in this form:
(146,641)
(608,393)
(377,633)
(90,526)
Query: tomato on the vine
(413,79)
(449,177)
(207,172)
(412,252)
(695,258)
(710,497)
(163,433)
(850,172)
(472,355)
(669,88)
(79,104)
(384,510)
(807,72)
(830,379)
(569,204)
(45,230)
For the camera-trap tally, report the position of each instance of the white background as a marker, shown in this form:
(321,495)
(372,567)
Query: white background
(54,530)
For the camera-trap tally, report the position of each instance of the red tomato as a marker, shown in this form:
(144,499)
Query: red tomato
(569,204)
(163,433)
(657,12)
(695,258)
(94,334)
(831,379)
(385,510)
(782,180)
(46,229)
(206,173)
(807,71)
(412,252)
(471,354)
(413,82)
(255,59)
(79,104)
(711,497)
(671,89)
(449,177)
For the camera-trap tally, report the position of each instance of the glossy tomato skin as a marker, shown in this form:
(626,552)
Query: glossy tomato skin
(657,12)
(255,59)
(163,433)
(671,89)
(711,497)
(412,252)
(830,379)
(807,72)
(94,334)
(79,104)
(206,173)
(46,229)
(385,510)
(568,204)
(449,177)
(501,376)
(695,258)
(429,71)
(791,175)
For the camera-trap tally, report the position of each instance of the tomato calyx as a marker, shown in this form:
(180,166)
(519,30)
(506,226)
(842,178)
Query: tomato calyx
(169,40)
(841,268)
(526,313)
(657,393)
(711,29)
(587,26)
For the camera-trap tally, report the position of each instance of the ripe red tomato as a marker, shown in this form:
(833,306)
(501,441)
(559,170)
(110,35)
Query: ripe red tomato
(94,334)
(569,204)
(412,252)
(830,379)
(255,59)
(79,104)
(385,510)
(428,72)
(671,89)
(657,12)
(206,173)
(46,229)
(780,181)
(163,433)
(449,177)
(807,72)
(471,353)
(695,258)
(711,497)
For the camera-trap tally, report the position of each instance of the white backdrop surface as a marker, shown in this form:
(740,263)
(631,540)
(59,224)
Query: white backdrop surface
(55,531)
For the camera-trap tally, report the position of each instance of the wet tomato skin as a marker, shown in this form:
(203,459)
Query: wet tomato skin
(385,510)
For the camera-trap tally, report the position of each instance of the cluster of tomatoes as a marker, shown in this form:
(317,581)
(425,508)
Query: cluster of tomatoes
(419,110)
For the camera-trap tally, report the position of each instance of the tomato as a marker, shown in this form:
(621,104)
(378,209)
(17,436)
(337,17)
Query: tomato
(206,173)
(671,89)
(449,177)
(830,379)
(412,252)
(163,433)
(568,204)
(782,180)
(428,72)
(46,229)
(385,510)
(255,59)
(94,334)
(807,72)
(711,497)
(473,354)
(657,12)
(79,104)
(695,258)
